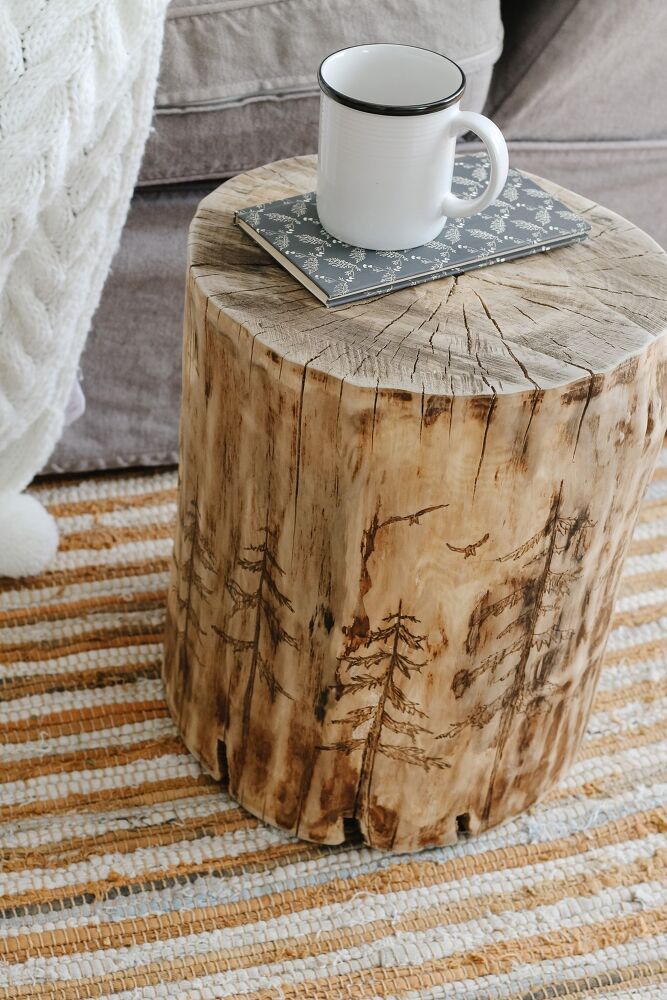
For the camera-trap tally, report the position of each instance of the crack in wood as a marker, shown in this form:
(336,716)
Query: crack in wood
(629,291)
(244,291)
(413,333)
(482,371)
(568,358)
(252,351)
(331,321)
(298,441)
(421,415)
(483,451)
(207,366)
(527,315)
(340,400)
(509,350)
(535,397)
(589,395)
(468,332)
(375,406)
(628,312)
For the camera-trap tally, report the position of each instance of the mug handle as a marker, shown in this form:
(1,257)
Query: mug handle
(468,121)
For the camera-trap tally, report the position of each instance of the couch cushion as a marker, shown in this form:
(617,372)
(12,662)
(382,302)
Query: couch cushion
(238,78)
(581,70)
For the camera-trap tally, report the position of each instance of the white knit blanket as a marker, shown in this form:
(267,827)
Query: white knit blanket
(77,82)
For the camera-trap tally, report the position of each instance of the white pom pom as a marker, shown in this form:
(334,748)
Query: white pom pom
(28,535)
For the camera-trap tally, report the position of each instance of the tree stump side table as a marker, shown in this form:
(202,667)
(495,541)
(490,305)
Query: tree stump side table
(402,523)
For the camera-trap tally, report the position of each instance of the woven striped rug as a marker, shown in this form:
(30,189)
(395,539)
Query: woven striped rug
(126,872)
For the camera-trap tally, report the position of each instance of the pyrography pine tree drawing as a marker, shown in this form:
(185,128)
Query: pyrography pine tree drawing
(536,629)
(191,589)
(266,601)
(393,712)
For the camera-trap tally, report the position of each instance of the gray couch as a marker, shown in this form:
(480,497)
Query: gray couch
(578,87)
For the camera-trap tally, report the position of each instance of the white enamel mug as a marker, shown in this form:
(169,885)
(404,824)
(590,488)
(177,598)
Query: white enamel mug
(389,117)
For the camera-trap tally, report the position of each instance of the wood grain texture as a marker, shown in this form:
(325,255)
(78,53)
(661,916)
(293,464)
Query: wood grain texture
(402,523)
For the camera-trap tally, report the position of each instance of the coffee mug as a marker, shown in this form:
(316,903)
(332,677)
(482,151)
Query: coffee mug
(389,117)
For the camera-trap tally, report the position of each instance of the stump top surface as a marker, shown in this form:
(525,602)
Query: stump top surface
(535,323)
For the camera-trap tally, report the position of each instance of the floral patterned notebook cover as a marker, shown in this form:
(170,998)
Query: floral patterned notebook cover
(526,219)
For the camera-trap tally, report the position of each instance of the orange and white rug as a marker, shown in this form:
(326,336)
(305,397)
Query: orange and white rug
(126,872)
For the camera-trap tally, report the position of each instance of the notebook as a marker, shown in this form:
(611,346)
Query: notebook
(524,220)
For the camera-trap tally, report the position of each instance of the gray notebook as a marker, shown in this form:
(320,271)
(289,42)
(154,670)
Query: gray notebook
(526,219)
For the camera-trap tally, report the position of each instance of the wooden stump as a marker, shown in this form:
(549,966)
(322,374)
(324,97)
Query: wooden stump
(402,523)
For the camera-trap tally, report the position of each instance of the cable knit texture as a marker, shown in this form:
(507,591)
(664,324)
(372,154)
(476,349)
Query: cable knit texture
(77,82)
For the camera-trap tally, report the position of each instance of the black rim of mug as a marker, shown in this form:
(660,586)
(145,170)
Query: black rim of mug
(399,110)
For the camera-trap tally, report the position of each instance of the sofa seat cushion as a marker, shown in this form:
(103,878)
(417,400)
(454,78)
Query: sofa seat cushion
(238,78)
